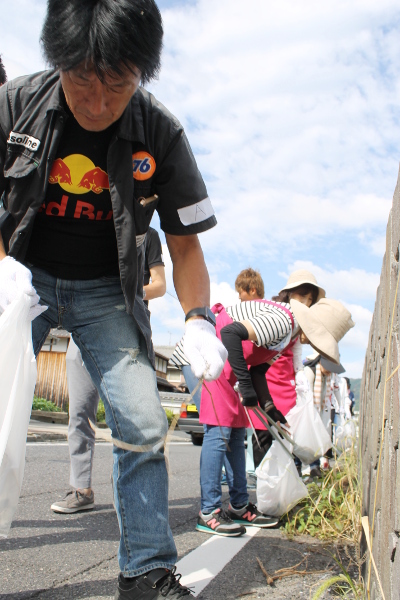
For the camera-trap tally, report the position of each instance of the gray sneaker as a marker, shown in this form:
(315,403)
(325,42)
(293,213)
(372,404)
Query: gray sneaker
(73,502)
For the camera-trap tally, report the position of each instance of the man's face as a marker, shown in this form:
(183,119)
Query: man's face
(250,295)
(96,105)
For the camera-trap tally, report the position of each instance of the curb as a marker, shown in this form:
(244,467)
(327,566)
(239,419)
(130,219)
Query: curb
(46,437)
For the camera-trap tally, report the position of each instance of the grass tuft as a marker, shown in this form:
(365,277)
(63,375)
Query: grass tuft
(332,511)
(43,404)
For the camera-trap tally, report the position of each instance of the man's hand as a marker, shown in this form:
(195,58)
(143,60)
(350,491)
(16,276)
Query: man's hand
(203,350)
(14,280)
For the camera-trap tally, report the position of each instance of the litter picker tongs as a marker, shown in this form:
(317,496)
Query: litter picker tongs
(272,426)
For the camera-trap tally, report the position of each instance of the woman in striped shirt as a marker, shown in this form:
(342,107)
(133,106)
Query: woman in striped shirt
(255,333)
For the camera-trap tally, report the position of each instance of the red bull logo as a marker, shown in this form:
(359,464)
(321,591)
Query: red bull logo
(60,172)
(96,180)
(77,174)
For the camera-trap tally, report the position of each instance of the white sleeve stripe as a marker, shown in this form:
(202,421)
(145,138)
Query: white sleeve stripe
(196,213)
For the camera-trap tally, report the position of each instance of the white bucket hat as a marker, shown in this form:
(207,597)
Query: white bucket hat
(324,324)
(301,277)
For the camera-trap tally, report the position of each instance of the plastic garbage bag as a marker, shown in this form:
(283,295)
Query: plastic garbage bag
(17,385)
(279,486)
(345,435)
(307,429)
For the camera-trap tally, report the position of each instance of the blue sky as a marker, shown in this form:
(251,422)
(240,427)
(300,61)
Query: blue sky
(292,110)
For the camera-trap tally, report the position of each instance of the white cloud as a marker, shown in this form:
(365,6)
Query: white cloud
(20,28)
(354,369)
(292,111)
(223,293)
(375,243)
(352,284)
(357,337)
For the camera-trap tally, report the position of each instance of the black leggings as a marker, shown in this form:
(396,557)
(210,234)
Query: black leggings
(265,439)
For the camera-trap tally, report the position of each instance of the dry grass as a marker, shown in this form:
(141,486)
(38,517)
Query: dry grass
(332,513)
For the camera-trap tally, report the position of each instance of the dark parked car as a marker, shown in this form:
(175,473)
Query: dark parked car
(189,422)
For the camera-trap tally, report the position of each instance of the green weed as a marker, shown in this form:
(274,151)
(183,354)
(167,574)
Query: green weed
(332,511)
(170,416)
(43,404)
(101,413)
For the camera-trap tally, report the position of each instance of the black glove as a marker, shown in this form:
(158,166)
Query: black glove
(265,400)
(276,415)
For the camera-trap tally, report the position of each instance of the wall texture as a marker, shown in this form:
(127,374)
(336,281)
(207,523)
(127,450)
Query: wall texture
(380,424)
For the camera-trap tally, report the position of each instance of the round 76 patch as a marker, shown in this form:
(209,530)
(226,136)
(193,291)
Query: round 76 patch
(143,165)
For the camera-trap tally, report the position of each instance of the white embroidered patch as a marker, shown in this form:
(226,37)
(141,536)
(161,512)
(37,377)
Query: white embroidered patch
(189,215)
(21,139)
(140,239)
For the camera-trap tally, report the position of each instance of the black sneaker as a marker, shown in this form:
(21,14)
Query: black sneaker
(219,523)
(250,515)
(154,585)
(316,473)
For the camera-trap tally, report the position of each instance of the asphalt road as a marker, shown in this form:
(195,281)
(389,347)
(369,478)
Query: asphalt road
(60,557)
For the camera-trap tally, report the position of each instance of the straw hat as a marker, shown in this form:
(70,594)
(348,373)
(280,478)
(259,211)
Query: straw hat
(324,324)
(301,277)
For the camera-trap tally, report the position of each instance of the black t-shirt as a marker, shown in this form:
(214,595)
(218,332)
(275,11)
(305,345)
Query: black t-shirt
(73,235)
(153,253)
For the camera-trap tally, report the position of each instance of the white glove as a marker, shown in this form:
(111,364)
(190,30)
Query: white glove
(302,383)
(203,350)
(14,280)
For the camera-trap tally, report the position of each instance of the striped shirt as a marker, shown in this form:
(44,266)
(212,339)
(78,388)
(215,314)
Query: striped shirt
(272,326)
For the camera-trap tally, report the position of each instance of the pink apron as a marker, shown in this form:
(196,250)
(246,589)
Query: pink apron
(225,408)
(281,380)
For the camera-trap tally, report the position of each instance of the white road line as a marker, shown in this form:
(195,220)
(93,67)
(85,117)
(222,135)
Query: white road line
(200,566)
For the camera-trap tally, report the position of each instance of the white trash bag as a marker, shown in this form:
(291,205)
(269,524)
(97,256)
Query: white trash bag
(17,385)
(345,435)
(310,436)
(279,487)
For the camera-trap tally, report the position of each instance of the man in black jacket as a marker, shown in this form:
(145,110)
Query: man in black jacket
(86,155)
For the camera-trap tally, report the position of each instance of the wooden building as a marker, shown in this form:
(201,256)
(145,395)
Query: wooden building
(52,374)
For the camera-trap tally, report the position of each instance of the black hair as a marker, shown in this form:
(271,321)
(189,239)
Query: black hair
(109,35)
(348,382)
(302,290)
(3,74)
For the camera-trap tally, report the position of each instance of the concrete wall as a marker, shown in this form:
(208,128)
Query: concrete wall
(380,424)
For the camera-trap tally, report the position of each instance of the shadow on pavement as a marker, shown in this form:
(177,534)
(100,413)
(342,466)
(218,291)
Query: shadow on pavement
(88,589)
(99,525)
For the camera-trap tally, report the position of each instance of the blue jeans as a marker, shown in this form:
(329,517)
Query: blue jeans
(115,354)
(191,382)
(213,455)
